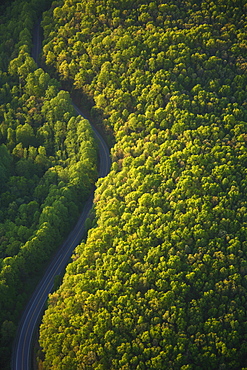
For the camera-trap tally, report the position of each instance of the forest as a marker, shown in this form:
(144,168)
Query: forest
(160,281)
(48,165)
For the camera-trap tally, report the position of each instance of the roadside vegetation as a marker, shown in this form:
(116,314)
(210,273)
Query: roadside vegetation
(48,164)
(160,282)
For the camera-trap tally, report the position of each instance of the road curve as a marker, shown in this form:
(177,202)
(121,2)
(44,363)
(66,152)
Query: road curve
(22,350)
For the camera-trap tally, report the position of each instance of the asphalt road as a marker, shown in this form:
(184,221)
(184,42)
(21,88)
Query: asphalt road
(22,350)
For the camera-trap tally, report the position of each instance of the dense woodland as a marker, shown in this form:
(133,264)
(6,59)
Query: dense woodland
(48,164)
(160,282)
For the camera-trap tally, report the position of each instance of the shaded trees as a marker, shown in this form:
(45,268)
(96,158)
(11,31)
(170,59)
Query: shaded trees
(39,196)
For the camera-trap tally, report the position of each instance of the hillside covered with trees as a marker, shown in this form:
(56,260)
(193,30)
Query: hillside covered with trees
(160,282)
(48,164)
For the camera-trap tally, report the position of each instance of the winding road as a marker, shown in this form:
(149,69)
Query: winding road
(22,350)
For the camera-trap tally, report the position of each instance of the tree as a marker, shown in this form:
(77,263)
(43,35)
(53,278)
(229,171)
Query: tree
(25,135)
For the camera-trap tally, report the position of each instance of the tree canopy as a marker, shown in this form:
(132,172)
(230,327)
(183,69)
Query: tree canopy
(161,280)
(48,165)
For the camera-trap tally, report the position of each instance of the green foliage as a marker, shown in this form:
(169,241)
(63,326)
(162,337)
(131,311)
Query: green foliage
(161,281)
(43,149)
